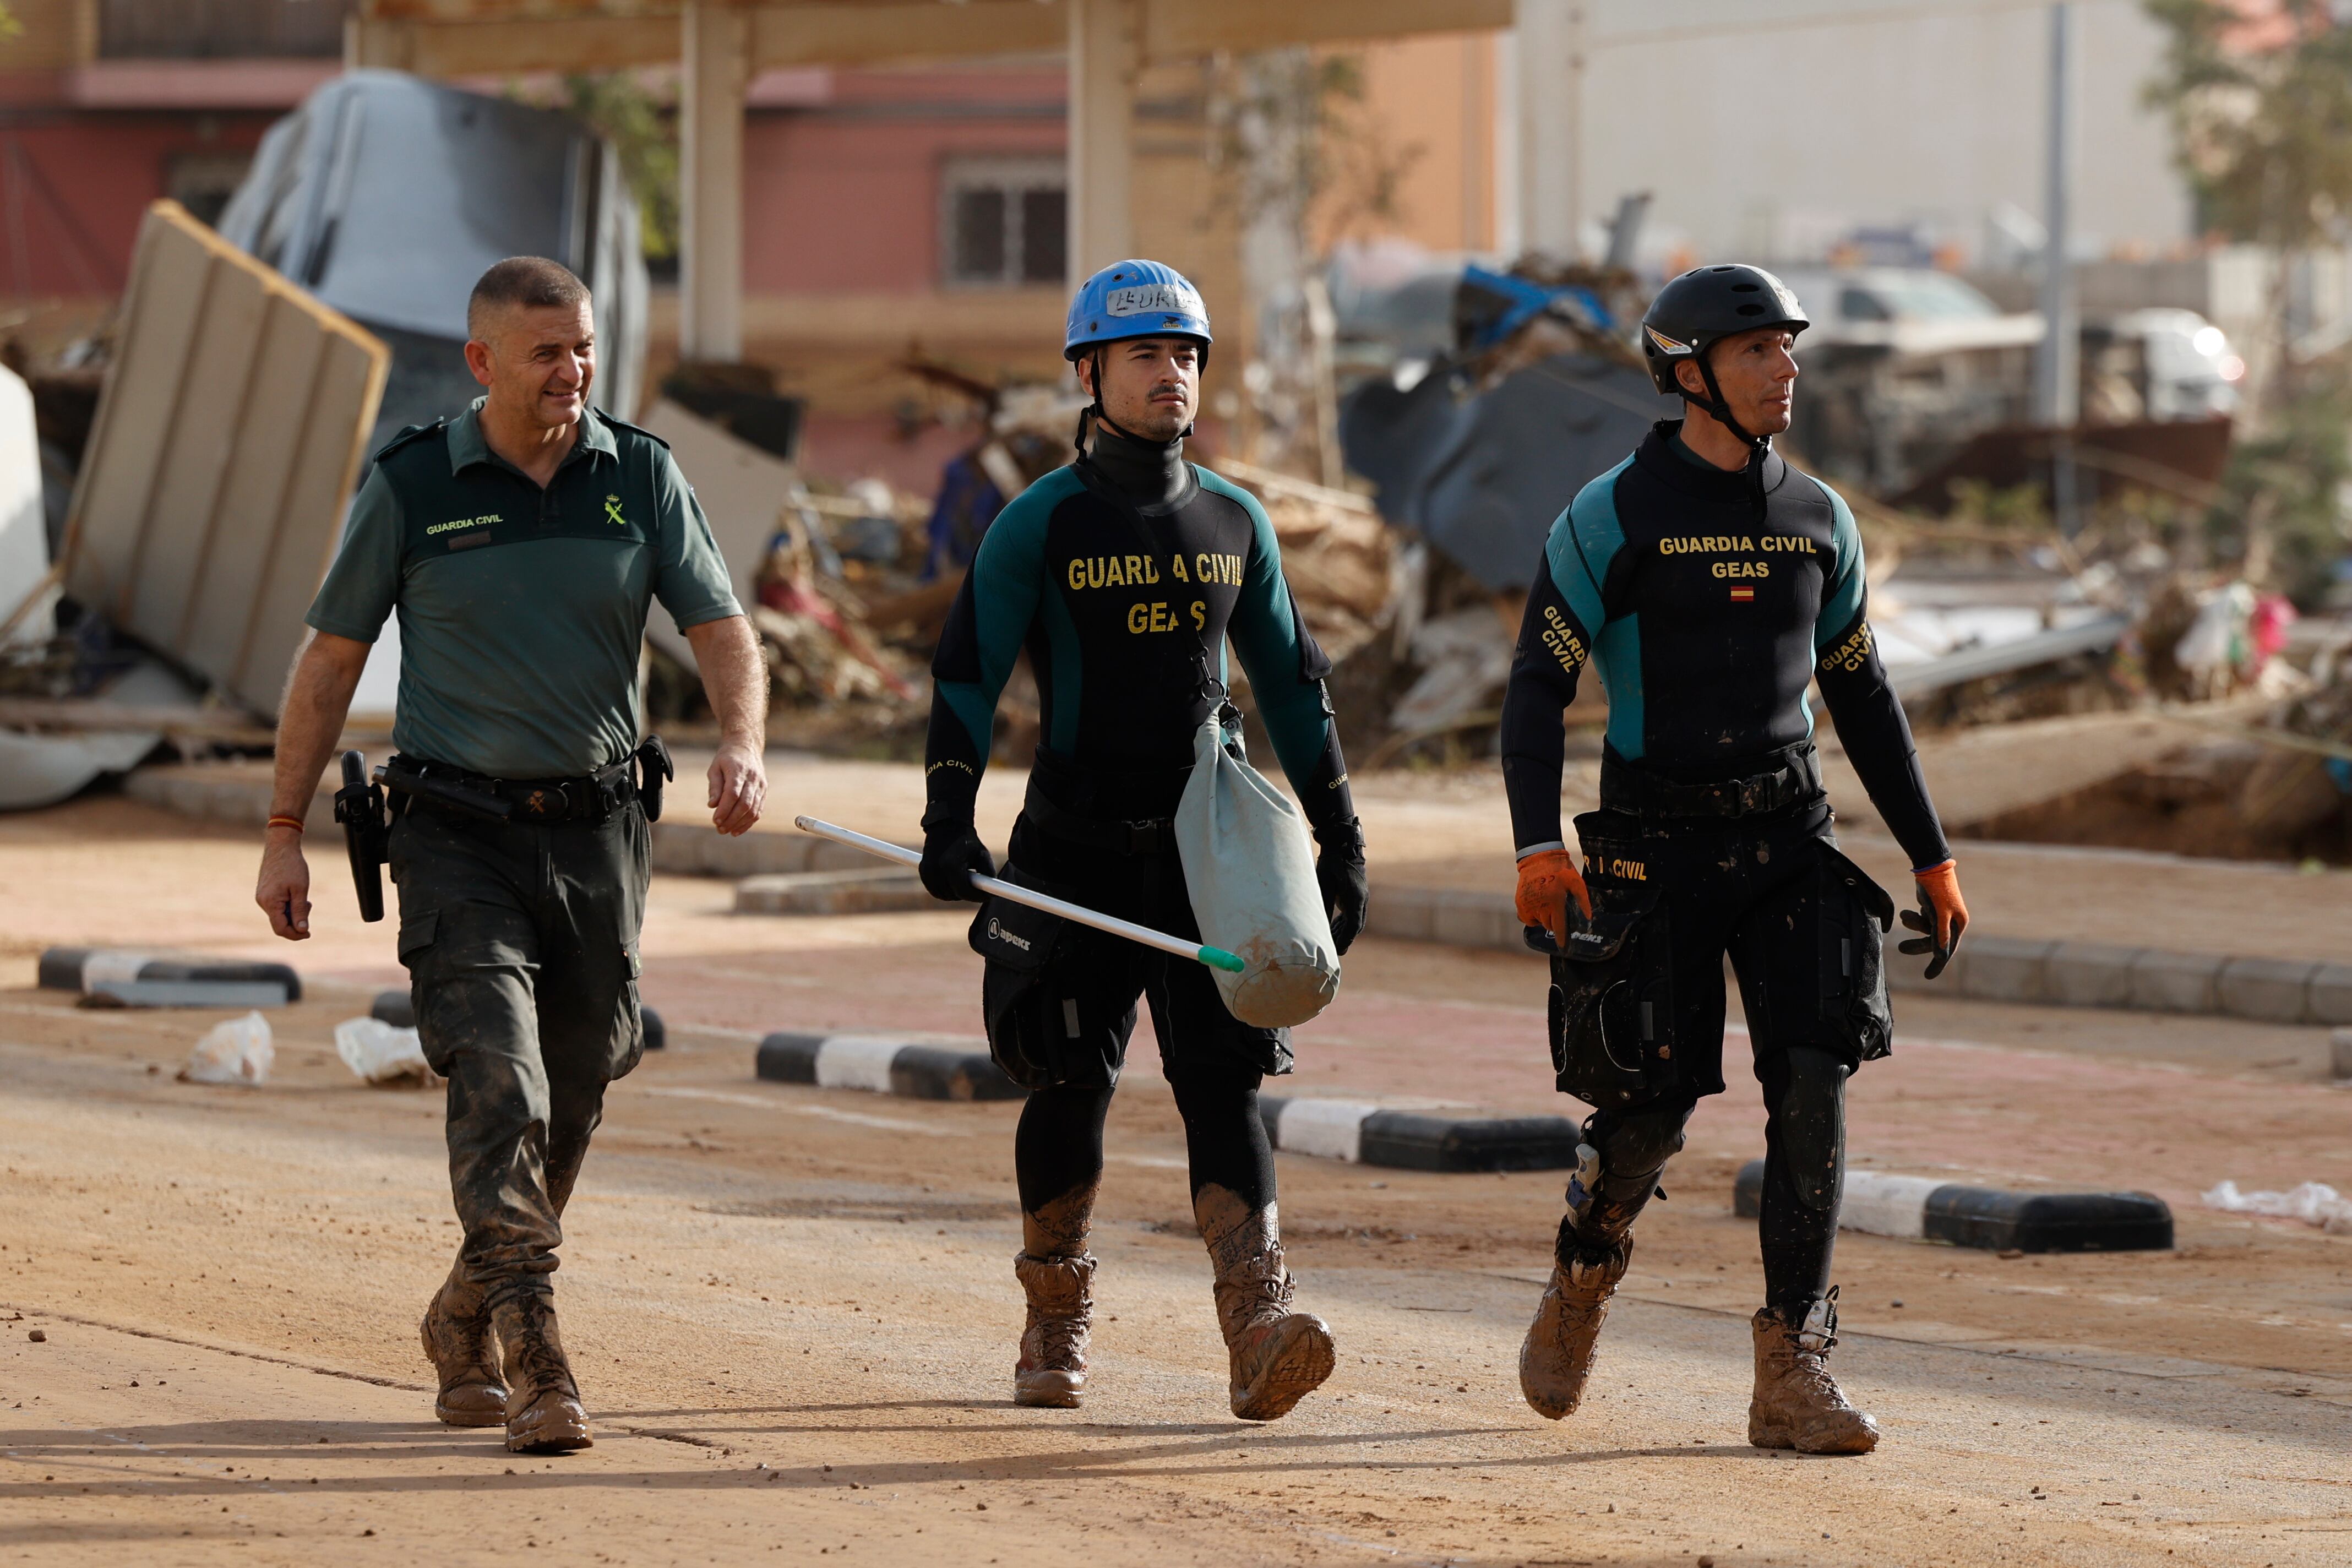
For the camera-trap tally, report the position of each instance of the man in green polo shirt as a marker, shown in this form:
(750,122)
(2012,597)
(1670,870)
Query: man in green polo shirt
(521,544)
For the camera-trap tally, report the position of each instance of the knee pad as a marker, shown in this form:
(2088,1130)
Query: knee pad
(1805,1110)
(1636,1144)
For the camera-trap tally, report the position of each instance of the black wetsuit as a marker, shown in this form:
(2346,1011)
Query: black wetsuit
(1709,600)
(1123,576)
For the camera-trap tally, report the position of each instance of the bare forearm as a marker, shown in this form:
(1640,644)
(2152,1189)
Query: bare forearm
(735,678)
(318,698)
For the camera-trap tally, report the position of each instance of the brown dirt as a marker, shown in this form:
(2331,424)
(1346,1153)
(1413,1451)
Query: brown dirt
(793,1314)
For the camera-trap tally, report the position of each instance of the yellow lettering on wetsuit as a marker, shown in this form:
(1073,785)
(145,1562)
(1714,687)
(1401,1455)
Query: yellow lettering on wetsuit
(1849,655)
(1622,870)
(1562,639)
(1223,569)
(1740,569)
(1787,544)
(1113,572)
(1142,618)
(1706,544)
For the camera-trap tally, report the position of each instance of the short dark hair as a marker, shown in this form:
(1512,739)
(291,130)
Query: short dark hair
(532,281)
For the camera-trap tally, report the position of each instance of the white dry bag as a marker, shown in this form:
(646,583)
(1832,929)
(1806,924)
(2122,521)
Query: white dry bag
(1251,871)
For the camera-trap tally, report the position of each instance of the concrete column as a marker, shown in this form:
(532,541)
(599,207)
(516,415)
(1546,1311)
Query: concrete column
(1106,57)
(715,71)
(1550,54)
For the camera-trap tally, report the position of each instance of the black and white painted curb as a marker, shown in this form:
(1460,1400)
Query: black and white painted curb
(397,1009)
(133,978)
(885,1064)
(1924,1209)
(1368,1134)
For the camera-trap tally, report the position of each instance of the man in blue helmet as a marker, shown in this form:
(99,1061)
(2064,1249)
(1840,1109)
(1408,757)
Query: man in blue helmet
(1709,582)
(1123,575)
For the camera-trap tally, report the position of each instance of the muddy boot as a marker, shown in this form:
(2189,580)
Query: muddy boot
(1279,1356)
(543,1413)
(1798,1403)
(464,1350)
(1052,1370)
(1558,1354)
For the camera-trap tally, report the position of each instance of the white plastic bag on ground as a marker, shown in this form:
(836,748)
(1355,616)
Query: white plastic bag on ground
(1251,872)
(2314,1203)
(381,1054)
(237,1051)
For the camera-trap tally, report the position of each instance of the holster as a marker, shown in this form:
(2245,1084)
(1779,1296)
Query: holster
(1613,1006)
(1855,913)
(653,769)
(359,807)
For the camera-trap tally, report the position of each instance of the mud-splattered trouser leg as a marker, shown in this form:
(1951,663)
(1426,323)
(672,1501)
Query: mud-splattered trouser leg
(521,946)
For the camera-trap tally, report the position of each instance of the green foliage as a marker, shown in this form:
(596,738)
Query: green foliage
(2289,483)
(645,135)
(2263,125)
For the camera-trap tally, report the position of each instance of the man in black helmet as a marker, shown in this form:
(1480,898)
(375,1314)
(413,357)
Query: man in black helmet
(1710,583)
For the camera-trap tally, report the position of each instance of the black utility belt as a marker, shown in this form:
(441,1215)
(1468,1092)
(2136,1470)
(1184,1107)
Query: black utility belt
(1146,835)
(1640,793)
(419,783)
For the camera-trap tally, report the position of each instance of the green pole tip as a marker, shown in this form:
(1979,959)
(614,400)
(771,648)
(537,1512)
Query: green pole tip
(1218,958)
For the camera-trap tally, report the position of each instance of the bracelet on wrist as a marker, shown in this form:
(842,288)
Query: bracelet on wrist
(293,822)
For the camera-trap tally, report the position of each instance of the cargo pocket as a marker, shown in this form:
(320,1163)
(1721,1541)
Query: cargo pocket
(1031,1026)
(1856,912)
(1612,1004)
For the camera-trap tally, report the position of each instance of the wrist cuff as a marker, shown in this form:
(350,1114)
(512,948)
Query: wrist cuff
(1539,848)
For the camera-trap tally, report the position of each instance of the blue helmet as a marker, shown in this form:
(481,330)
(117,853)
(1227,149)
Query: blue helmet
(1135,300)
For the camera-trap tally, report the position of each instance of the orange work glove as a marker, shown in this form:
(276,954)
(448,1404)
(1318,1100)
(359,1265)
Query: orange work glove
(1941,917)
(1547,880)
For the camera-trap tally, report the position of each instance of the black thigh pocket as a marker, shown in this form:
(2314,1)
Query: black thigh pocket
(1034,1029)
(1612,1003)
(1856,912)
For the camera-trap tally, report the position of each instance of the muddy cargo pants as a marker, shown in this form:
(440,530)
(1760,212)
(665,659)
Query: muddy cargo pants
(520,941)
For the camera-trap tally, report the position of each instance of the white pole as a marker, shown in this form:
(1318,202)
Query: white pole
(1106,55)
(1550,49)
(2057,379)
(1214,957)
(717,67)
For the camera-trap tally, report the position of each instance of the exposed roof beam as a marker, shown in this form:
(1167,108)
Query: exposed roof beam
(483,37)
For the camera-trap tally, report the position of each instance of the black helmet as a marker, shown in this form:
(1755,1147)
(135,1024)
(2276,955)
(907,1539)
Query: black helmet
(1709,304)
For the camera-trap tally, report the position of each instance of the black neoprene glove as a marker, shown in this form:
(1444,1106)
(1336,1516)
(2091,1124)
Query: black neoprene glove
(1339,873)
(952,854)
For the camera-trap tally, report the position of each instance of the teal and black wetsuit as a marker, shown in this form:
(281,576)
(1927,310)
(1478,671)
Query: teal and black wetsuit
(1123,577)
(1709,600)
(1124,583)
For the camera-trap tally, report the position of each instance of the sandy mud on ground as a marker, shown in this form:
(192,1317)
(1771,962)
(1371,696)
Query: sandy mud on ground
(793,1315)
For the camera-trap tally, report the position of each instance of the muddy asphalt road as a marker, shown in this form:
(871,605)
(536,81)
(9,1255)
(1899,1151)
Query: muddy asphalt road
(792,1312)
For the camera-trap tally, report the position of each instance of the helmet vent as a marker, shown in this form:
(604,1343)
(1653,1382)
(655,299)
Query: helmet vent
(1745,287)
(1751,309)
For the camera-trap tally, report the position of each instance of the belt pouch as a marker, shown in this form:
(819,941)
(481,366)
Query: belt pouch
(1028,1022)
(1612,1007)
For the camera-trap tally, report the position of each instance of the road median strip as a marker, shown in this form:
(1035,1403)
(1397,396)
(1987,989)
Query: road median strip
(1368,1134)
(130,977)
(908,1067)
(1922,1208)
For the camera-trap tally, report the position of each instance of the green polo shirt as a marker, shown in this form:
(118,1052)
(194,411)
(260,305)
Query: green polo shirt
(521,609)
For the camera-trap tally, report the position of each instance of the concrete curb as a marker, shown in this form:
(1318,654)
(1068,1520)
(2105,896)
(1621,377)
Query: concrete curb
(395,1008)
(1369,1135)
(883,890)
(1989,968)
(1924,1209)
(682,846)
(885,1064)
(133,978)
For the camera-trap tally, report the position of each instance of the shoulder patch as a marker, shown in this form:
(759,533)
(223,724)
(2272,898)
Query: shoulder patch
(633,429)
(409,436)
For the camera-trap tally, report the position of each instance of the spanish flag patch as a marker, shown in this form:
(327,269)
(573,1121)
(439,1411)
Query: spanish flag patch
(1743,596)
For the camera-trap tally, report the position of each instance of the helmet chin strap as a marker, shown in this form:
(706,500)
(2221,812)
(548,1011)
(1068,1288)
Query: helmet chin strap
(1719,409)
